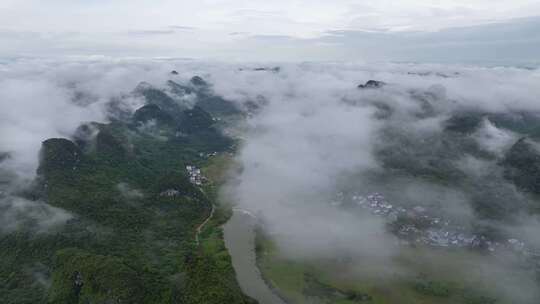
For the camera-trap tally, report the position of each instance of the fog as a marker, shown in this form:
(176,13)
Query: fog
(318,136)
(40,99)
(314,137)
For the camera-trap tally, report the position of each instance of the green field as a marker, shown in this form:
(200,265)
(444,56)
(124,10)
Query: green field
(331,281)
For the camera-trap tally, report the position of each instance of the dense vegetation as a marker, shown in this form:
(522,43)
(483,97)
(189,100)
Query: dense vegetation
(126,241)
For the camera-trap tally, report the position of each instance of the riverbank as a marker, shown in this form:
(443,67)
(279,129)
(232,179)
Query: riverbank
(342,282)
(239,235)
(212,277)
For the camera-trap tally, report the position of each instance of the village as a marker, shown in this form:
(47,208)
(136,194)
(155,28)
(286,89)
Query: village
(417,226)
(195,175)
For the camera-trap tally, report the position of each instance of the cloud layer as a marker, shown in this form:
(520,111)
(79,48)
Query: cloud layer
(411,30)
(319,138)
(314,134)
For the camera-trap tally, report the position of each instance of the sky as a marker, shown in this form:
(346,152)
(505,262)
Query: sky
(280,30)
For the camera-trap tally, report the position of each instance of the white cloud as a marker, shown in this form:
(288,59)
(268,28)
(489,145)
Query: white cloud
(38,100)
(317,136)
(315,131)
(17,212)
(201,28)
(297,17)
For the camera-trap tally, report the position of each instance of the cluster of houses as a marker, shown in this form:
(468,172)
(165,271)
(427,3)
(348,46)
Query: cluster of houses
(444,237)
(207,155)
(377,205)
(423,228)
(195,175)
(170,193)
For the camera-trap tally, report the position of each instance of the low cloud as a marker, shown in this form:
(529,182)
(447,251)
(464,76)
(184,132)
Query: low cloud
(318,140)
(150,32)
(18,213)
(183,27)
(129,192)
(62,96)
(493,139)
(314,140)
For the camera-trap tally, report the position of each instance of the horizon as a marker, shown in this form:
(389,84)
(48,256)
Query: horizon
(409,31)
(283,152)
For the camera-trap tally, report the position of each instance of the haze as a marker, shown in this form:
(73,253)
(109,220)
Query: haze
(395,140)
(476,31)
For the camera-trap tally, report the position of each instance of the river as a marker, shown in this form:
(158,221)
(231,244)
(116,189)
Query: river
(239,235)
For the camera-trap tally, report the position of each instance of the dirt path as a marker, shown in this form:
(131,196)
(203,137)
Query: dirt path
(201,226)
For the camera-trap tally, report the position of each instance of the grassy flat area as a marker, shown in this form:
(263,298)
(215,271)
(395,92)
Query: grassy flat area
(319,281)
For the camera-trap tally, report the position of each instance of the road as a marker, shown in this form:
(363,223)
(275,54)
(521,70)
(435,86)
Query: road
(201,226)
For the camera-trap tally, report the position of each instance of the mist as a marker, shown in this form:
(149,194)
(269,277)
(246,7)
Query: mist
(42,99)
(320,140)
(313,141)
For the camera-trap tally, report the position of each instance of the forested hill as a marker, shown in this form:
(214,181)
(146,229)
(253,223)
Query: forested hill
(130,210)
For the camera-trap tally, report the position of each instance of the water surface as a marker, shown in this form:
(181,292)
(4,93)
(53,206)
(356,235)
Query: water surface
(239,235)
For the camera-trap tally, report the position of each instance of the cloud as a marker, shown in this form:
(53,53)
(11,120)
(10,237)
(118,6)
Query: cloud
(62,97)
(238,33)
(128,192)
(514,40)
(151,32)
(318,139)
(182,27)
(17,213)
(315,135)
(273,38)
(494,139)
(411,30)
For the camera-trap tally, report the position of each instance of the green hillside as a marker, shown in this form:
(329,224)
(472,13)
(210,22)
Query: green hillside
(129,240)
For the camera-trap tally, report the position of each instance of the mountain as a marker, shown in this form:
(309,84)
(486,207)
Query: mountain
(133,214)
(522,165)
